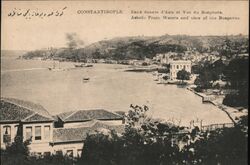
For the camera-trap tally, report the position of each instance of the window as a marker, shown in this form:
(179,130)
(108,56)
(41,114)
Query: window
(47,132)
(16,129)
(28,132)
(7,134)
(69,153)
(59,152)
(79,153)
(177,66)
(46,153)
(38,133)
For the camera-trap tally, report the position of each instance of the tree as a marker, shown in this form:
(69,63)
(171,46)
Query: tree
(237,74)
(145,142)
(183,75)
(220,146)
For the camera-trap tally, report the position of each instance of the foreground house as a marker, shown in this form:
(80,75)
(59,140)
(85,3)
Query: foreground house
(32,121)
(29,120)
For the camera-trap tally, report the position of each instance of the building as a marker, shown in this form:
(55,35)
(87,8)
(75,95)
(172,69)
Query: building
(27,119)
(176,66)
(165,58)
(70,140)
(63,133)
(81,117)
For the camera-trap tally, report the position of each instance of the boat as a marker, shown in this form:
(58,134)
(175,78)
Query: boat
(83,65)
(79,65)
(89,65)
(85,79)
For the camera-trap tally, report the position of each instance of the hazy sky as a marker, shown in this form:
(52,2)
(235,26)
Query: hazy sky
(19,33)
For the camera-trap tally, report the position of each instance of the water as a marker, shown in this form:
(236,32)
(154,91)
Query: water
(109,87)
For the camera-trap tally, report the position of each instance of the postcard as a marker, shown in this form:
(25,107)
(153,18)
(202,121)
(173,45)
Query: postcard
(124,82)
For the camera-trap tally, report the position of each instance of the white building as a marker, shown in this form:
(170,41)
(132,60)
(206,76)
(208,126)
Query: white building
(176,66)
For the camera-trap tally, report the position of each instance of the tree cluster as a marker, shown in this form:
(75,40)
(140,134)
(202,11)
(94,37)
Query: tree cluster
(150,142)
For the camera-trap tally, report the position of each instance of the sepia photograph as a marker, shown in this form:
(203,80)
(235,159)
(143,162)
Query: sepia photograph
(124,82)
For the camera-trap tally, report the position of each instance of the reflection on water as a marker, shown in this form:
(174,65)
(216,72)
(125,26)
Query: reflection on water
(108,87)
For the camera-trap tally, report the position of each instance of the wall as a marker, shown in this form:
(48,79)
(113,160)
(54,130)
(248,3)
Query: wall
(13,128)
(67,146)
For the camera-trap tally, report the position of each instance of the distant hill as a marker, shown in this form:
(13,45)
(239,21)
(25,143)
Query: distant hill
(139,47)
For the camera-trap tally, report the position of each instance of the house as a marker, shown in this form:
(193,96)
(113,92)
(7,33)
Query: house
(70,140)
(32,121)
(29,120)
(176,66)
(77,118)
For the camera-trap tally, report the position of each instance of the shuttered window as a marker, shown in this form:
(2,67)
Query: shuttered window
(38,133)
(28,132)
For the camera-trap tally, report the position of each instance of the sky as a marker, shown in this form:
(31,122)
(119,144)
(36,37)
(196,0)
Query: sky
(19,33)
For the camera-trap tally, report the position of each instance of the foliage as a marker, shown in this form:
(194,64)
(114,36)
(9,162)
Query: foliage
(221,146)
(58,159)
(183,75)
(147,141)
(16,153)
(237,74)
(208,73)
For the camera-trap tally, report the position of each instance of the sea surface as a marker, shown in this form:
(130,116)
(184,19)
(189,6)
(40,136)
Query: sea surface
(109,87)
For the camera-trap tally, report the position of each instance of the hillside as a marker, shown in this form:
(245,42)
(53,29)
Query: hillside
(140,46)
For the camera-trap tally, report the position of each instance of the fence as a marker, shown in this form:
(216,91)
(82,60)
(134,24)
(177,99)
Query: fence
(215,126)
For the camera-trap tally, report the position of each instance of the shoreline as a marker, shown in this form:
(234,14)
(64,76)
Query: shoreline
(222,107)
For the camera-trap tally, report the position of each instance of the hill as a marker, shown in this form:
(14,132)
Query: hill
(139,47)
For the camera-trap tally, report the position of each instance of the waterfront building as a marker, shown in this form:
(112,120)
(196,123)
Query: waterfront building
(62,133)
(176,66)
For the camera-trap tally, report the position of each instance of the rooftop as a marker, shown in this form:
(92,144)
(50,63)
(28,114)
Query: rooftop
(20,110)
(180,62)
(85,115)
(80,133)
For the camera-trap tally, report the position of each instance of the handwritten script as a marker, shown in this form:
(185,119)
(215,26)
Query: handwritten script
(30,13)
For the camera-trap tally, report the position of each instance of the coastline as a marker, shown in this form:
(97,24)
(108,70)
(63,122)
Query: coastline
(231,112)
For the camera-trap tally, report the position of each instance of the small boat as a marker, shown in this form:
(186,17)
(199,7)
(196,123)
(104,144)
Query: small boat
(79,65)
(89,65)
(85,79)
(55,69)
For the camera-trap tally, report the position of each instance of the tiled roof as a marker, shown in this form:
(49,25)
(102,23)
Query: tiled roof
(19,110)
(70,134)
(84,115)
(80,133)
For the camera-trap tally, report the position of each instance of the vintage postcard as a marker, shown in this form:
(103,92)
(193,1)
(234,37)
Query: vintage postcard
(124,82)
